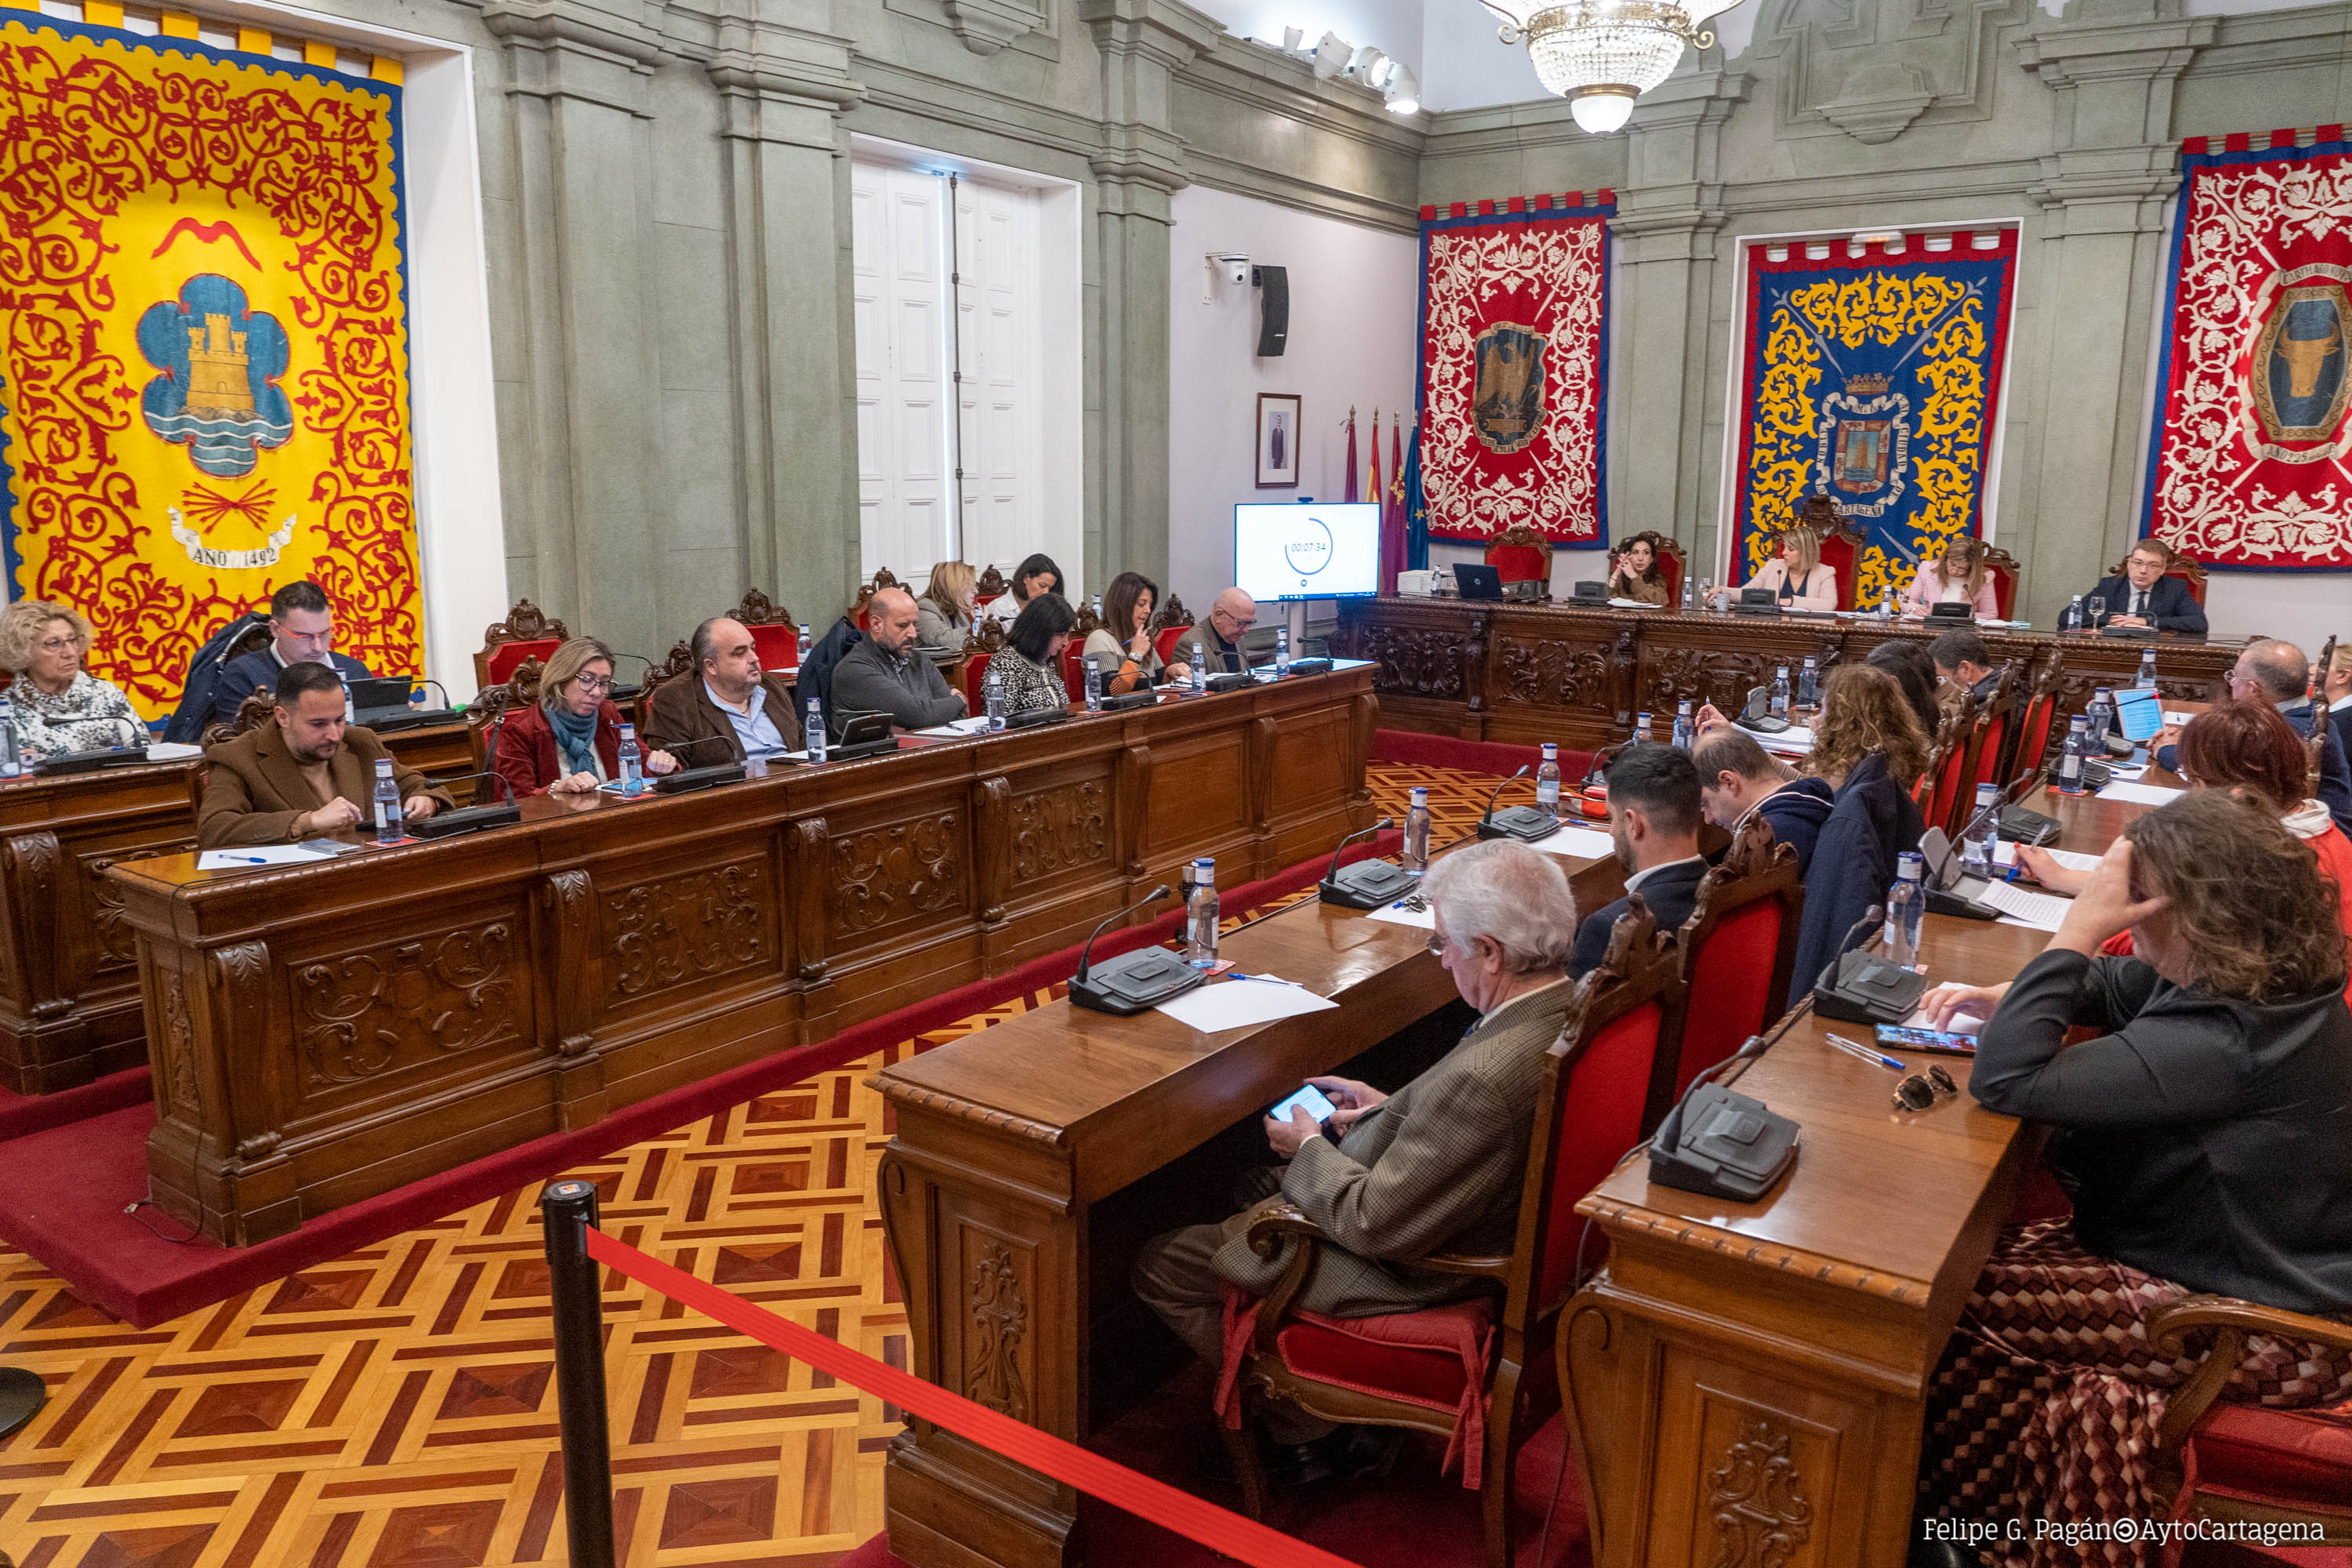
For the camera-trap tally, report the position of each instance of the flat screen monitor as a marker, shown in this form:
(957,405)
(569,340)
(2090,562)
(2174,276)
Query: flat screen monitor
(1307,551)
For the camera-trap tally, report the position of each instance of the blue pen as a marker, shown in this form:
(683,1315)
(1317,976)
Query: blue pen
(1269,979)
(249,859)
(1854,1048)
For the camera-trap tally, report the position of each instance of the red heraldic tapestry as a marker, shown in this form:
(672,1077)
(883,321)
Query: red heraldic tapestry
(2249,453)
(203,354)
(1514,386)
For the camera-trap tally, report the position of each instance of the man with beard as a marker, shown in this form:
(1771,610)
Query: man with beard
(306,773)
(1653,817)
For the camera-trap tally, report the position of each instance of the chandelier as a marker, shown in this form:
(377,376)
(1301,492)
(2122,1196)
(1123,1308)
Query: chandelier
(1601,55)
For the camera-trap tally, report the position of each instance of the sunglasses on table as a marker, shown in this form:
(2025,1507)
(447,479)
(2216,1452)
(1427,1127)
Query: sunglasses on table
(1921,1090)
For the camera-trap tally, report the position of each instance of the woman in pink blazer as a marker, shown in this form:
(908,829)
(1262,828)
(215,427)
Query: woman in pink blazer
(1957,575)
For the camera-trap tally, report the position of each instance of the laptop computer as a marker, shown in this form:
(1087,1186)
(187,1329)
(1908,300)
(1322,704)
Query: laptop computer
(381,703)
(1479,581)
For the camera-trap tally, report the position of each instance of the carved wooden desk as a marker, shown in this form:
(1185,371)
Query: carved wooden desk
(1033,1158)
(325,1033)
(69,975)
(1536,672)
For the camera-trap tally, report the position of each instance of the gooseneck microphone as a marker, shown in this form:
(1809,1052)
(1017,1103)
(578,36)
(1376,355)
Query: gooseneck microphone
(1527,824)
(99,757)
(1367,884)
(684,780)
(1864,987)
(1133,981)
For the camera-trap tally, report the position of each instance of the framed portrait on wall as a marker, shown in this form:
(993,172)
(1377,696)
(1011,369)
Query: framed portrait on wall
(1277,441)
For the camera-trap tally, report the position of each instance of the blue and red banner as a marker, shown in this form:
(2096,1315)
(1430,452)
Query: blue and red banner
(1872,374)
(2249,453)
(1514,388)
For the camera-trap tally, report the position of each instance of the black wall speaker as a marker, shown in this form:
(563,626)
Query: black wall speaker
(1273,310)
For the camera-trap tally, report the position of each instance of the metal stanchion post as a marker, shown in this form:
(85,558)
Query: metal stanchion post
(567,1209)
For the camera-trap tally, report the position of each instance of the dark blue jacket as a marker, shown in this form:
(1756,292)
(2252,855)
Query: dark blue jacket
(1797,813)
(2334,775)
(2170,605)
(1670,895)
(241,677)
(196,693)
(816,676)
(1873,822)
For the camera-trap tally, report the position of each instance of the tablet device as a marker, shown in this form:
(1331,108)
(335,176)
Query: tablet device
(2139,712)
(1317,1104)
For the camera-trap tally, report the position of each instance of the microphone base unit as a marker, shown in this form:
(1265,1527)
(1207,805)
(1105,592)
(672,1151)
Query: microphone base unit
(1231,683)
(850,753)
(467,819)
(1037,716)
(2020,825)
(1133,981)
(1942,902)
(1863,988)
(1316,666)
(1724,1145)
(88,762)
(1367,885)
(1523,822)
(1764,726)
(685,781)
(1121,701)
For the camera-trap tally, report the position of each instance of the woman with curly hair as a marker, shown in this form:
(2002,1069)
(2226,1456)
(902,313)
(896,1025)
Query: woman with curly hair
(1865,713)
(60,706)
(1867,746)
(1637,575)
(2206,1137)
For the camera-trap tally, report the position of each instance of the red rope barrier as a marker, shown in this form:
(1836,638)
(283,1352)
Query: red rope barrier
(1220,1529)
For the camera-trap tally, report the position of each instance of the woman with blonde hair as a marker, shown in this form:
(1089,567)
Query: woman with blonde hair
(1797,576)
(568,742)
(944,612)
(60,707)
(1957,575)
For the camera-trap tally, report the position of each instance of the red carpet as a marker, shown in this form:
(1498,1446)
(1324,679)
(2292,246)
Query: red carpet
(1413,748)
(21,1114)
(69,1184)
(1413,1517)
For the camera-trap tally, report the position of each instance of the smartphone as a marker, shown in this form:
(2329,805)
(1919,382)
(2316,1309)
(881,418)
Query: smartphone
(1893,1035)
(1317,1104)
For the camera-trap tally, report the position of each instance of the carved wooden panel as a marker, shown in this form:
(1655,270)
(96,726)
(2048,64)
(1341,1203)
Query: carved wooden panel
(405,1003)
(884,875)
(1416,661)
(1553,673)
(1754,1503)
(176,1066)
(992,1286)
(117,948)
(686,930)
(1716,675)
(1054,830)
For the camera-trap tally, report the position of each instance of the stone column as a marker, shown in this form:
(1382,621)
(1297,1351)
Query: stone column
(783,90)
(2102,194)
(1143,44)
(577,81)
(1668,218)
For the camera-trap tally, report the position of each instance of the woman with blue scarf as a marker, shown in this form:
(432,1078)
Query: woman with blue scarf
(568,742)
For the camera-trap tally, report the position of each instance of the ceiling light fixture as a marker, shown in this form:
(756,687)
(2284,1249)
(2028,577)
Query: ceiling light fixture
(1402,90)
(1331,56)
(1601,55)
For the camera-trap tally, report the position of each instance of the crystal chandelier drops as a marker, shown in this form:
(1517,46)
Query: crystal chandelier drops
(1601,55)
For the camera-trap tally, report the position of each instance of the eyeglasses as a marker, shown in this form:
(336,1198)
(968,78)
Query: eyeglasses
(593,682)
(60,644)
(1921,1090)
(1437,944)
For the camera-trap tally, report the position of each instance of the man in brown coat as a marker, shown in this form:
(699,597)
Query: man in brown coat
(304,773)
(728,698)
(1437,1166)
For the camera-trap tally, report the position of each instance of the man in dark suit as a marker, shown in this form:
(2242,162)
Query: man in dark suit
(728,701)
(1653,816)
(2144,597)
(301,631)
(2279,674)
(1965,664)
(305,773)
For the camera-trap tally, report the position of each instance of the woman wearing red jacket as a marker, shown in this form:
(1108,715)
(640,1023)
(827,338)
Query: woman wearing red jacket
(569,740)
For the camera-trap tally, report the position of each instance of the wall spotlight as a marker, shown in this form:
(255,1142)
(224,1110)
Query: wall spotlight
(1402,90)
(1331,55)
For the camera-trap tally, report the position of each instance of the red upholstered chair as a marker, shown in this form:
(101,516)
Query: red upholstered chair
(680,662)
(987,638)
(2030,739)
(1987,741)
(991,582)
(1674,565)
(1946,761)
(492,703)
(1842,549)
(775,636)
(2250,1464)
(1521,554)
(1073,671)
(1737,951)
(1171,623)
(526,633)
(1426,1370)
(2002,568)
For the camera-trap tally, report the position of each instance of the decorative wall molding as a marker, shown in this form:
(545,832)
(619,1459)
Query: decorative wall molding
(1880,98)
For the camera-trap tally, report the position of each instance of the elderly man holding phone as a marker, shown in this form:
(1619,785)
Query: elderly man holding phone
(1436,1165)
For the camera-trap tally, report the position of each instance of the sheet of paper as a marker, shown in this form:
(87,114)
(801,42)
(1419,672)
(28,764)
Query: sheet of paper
(1961,1023)
(1589,843)
(1629,605)
(1402,913)
(1238,1003)
(956,727)
(2177,719)
(2021,907)
(2140,793)
(1796,739)
(256,855)
(171,752)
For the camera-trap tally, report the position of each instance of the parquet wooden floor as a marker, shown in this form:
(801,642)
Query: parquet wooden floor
(393,1408)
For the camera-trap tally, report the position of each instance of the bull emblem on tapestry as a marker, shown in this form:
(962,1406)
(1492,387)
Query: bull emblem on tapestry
(2297,371)
(1506,399)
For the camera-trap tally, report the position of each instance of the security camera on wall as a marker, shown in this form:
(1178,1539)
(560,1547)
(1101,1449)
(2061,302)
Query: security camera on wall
(1235,268)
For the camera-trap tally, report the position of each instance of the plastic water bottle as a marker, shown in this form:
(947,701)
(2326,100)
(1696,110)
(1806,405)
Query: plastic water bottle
(807,642)
(1416,831)
(1690,595)
(351,714)
(1548,782)
(2072,621)
(1281,652)
(2070,759)
(991,695)
(387,803)
(1685,723)
(2102,717)
(11,756)
(633,762)
(1780,692)
(817,735)
(1906,902)
(1199,665)
(2147,668)
(1978,856)
(1097,603)
(1642,736)
(1094,686)
(1886,605)
(1200,916)
(1809,683)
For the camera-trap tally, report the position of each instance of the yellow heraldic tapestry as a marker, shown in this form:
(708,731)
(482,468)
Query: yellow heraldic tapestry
(203,350)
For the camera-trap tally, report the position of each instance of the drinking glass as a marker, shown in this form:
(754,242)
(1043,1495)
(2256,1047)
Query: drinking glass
(2095,609)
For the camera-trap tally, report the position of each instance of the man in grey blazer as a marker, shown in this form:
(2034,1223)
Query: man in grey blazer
(1434,1167)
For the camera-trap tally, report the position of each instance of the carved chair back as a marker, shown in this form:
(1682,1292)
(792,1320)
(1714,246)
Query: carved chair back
(518,691)
(1738,950)
(526,633)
